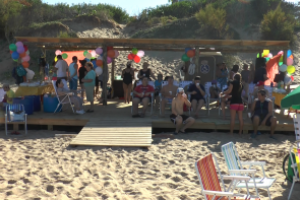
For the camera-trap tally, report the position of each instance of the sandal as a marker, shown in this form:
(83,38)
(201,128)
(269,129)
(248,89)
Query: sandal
(182,132)
(89,111)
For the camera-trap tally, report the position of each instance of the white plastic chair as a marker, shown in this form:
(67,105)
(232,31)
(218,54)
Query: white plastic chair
(235,168)
(207,95)
(62,102)
(295,153)
(15,113)
(152,95)
(164,83)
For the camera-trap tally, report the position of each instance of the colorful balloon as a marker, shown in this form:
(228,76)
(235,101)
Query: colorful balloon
(58,52)
(292,57)
(15,55)
(290,69)
(185,58)
(85,53)
(99,51)
(137,59)
(22,55)
(20,49)
(187,49)
(292,78)
(283,68)
(270,55)
(190,53)
(99,63)
(98,71)
(19,44)
(280,63)
(280,53)
(12,47)
(64,56)
(289,53)
(131,56)
(108,60)
(266,52)
(27,52)
(25,47)
(134,51)
(55,59)
(116,53)
(140,53)
(26,59)
(88,55)
(93,53)
(257,56)
(25,64)
(289,61)
(111,53)
(267,59)
(100,58)
(109,48)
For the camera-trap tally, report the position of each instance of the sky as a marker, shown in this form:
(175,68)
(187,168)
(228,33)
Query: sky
(133,7)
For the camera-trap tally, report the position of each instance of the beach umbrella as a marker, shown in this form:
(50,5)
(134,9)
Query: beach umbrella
(292,99)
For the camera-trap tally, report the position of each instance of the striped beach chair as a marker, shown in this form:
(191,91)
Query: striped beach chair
(235,167)
(15,113)
(295,153)
(209,180)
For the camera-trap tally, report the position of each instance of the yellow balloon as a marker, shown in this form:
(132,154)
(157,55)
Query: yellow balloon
(290,69)
(266,52)
(55,59)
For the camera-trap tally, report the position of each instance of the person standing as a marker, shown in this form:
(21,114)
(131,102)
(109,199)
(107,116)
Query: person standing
(177,116)
(89,84)
(262,113)
(222,74)
(73,82)
(82,72)
(236,103)
(127,75)
(62,68)
(245,79)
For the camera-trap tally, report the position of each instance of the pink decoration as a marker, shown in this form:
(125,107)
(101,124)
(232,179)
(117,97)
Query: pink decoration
(57,52)
(270,55)
(93,53)
(280,53)
(109,60)
(289,61)
(26,59)
(20,49)
(19,44)
(140,53)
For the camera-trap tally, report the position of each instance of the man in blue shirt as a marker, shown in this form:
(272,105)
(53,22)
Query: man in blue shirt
(197,92)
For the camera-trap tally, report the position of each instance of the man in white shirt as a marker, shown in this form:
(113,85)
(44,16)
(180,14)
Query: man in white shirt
(62,68)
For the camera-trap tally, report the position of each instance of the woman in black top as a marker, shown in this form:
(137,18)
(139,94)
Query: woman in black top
(145,72)
(127,75)
(82,71)
(236,102)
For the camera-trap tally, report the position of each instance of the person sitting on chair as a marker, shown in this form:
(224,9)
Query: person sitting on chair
(177,116)
(262,113)
(197,92)
(62,92)
(168,92)
(214,90)
(8,97)
(142,94)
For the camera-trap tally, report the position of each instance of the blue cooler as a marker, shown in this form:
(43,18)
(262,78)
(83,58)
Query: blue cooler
(36,103)
(27,102)
(50,104)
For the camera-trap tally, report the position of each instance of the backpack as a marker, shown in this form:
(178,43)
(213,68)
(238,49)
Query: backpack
(21,71)
(18,79)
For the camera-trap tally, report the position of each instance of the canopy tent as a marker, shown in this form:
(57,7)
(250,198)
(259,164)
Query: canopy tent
(125,44)
(292,99)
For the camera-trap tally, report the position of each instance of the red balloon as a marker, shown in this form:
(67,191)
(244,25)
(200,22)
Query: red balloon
(137,59)
(25,48)
(25,64)
(99,63)
(10,52)
(292,78)
(111,53)
(190,53)
(131,56)
(110,48)
(23,54)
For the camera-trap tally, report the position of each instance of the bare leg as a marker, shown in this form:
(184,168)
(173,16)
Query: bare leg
(189,122)
(273,125)
(82,91)
(255,123)
(135,104)
(194,106)
(178,123)
(240,113)
(129,87)
(163,106)
(223,104)
(232,115)
(125,92)
(200,105)
(145,105)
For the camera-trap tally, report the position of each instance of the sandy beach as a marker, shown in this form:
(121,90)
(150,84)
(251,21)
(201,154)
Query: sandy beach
(42,166)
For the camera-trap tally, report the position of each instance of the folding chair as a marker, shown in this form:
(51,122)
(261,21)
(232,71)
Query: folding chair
(152,95)
(295,151)
(15,113)
(164,83)
(235,167)
(63,101)
(207,95)
(297,126)
(209,180)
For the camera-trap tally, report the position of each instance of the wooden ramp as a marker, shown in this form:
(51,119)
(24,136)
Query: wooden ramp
(115,133)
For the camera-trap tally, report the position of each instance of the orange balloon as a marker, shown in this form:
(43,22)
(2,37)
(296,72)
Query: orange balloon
(25,64)
(292,57)
(190,53)
(111,53)
(23,54)
(99,63)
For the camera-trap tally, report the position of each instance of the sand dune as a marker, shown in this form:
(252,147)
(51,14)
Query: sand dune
(41,166)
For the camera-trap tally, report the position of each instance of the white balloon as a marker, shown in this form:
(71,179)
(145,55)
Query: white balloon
(30,74)
(100,58)
(283,68)
(88,56)
(98,71)
(27,52)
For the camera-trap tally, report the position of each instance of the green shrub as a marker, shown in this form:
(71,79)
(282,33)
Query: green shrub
(277,25)
(213,21)
(65,34)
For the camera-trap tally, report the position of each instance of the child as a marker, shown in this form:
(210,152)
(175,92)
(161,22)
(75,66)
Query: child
(8,97)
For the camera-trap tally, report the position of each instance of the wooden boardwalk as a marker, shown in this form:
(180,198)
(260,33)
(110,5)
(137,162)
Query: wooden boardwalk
(115,133)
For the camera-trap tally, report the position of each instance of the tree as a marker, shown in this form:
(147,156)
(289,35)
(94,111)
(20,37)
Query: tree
(277,25)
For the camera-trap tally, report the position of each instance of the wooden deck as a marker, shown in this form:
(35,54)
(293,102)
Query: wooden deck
(115,121)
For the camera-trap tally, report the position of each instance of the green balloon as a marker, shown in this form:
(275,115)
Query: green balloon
(134,51)
(185,58)
(85,53)
(64,56)
(16,60)
(12,47)
(280,63)
(257,55)
(267,59)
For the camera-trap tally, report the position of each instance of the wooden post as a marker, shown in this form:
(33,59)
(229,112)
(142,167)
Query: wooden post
(197,61)
(285,57)
(105,69)
(112,77)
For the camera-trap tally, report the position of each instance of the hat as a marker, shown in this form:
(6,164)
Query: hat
(260,83)
(213,82)
(179,90)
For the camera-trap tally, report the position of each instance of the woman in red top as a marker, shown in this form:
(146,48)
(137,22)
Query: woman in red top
(142,94)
